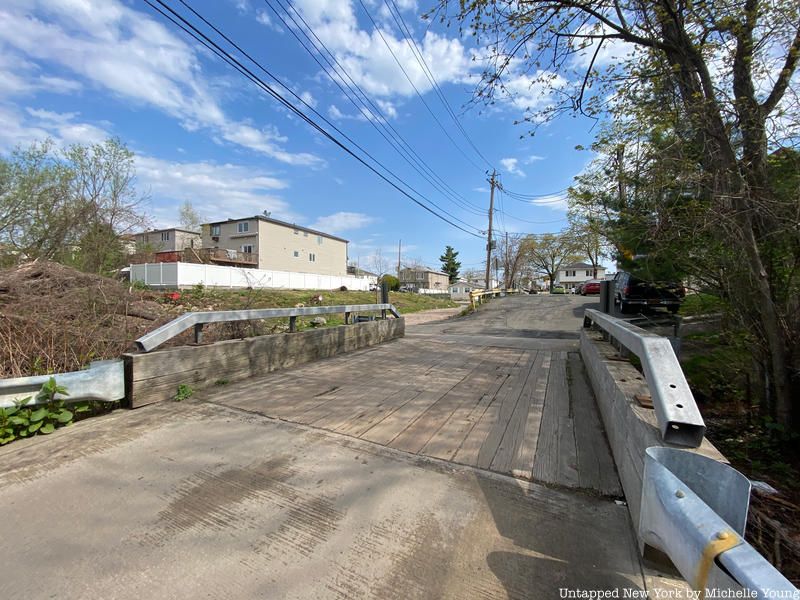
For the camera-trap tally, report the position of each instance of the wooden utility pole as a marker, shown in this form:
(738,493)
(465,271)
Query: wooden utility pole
(489,236)
(399,247)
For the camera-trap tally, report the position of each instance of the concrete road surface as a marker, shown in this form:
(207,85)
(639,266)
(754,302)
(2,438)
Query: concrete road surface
(196,500)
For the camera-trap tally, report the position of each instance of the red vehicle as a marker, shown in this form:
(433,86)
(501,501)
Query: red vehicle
(591,287)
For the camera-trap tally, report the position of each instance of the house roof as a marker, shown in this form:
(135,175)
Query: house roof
(283,224)
(424,270)
(580,265)
(168,229)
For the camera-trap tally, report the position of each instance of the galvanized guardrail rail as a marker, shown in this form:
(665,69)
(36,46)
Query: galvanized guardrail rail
(103,380)
(197,320)
(694,509)
(678,416)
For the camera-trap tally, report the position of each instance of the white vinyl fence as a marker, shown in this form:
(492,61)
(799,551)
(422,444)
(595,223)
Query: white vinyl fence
(183,275)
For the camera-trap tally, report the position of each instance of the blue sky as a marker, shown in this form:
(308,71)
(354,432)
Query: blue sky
(83,70)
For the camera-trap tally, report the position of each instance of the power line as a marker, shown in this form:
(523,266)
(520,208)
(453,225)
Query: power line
(417,52)
(419,94)
(380,123)
(203,39)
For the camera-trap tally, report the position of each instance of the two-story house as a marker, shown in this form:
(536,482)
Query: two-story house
(569,276)
(274,245)
(421,278)
(167,240)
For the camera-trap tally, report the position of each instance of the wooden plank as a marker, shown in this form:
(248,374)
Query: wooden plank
(522,465)
(384,408)
(435,387)
(506,402)
(419,433)
(413,386)
(515,428)
(449,439)
(596,468)
(556,454)
(468,452)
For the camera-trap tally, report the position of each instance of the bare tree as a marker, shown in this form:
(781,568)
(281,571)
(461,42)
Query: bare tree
(513,251)
(189,218)
(378,263)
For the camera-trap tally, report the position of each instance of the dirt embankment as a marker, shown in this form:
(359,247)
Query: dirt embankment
(54,318)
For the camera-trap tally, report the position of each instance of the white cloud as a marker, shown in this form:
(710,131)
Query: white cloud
(262,16)
(511,165)
(556,202)
(125,52)
(342,221)
(533,158)
(367,59)
(217,191)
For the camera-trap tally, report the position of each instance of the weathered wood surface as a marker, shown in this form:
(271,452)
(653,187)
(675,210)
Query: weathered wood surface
(527,413)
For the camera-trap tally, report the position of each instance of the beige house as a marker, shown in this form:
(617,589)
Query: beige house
(167,240)
(424,279)
(278,246)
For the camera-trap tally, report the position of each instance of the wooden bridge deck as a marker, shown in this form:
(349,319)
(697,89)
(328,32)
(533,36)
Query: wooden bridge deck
(518,411)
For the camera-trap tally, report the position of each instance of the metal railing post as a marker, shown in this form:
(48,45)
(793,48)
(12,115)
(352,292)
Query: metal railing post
(198,333)
(292,324)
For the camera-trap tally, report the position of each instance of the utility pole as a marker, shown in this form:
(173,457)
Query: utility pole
(507,264)
(489,236)
(399,247)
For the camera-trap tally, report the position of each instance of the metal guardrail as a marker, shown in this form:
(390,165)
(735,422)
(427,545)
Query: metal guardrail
(477,296)
(103,380)
(678,416)
(196,320)
(694,509)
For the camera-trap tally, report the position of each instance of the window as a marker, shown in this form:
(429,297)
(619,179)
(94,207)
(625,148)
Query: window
(296,232)
(165,236)
(305,234)
(312,258)
(588,273)
(243,227)
(215,230)
(246,248)
(319,240)
(296,253)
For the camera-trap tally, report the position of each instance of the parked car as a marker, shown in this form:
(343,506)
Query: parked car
(631,293)
(558,289)
(590,287)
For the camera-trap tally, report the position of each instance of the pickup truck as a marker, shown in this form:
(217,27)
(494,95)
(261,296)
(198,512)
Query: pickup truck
(632,294)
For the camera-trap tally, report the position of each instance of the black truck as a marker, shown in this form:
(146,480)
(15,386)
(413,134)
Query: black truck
(632,294)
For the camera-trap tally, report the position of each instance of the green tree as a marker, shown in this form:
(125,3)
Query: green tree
(449,263)
(69,205)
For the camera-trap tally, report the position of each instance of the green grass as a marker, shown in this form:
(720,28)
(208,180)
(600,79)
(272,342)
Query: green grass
(238,299)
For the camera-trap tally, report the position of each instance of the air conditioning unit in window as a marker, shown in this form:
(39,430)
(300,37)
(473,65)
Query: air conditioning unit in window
(215,238)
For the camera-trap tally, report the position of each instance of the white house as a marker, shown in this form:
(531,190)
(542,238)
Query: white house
(569,276)
(460,289)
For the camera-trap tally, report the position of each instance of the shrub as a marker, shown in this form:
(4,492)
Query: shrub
(394,282)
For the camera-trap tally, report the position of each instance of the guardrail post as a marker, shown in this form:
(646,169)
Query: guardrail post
(292,324)
(198,333)
(346,318)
